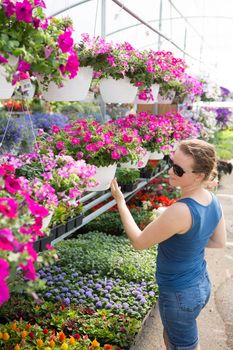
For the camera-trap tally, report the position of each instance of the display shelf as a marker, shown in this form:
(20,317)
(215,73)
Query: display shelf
(101,197)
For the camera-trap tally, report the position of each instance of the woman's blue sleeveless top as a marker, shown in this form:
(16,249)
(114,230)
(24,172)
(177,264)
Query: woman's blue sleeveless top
(180,260)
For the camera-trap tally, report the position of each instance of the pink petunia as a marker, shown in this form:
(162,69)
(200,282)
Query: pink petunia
(8,207)
(29,270)
(71,66)
(115,154)
(4,273)
(23,66)
(55,129)
(6,239)
(24,11)
(3,59)
(65,41)
(12,185)
(9,8)
(37,209)
(39,3)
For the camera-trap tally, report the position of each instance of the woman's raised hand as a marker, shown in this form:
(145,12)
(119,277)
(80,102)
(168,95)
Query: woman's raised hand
(116,192)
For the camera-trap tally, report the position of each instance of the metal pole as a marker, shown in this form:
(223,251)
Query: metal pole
(160,23)
(103,35)
(185,41)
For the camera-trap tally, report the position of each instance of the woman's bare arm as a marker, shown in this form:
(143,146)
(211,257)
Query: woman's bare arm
(218,239)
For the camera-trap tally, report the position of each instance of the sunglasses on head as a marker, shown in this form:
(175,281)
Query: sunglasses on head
(178,171)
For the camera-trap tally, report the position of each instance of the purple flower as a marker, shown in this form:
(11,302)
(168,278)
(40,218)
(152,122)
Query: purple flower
(66,301)
(98,304)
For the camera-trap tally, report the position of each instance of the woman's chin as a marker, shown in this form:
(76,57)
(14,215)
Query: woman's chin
(172,181)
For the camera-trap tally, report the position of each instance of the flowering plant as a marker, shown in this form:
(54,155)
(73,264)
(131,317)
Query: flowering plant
(98,144)
(21,23)
(56,182)
(224,93)
(223,117)
(211,91)
(20,226)
(54,57)
(153,129)
(45,47)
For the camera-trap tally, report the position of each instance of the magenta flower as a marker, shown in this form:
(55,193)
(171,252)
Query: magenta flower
(75,141)
(12,184)
(8,207)
(3,59)
(65,41)
(39,3)
(29,270)
(60,145)
(36,209)
(6,239)
(24,11)
(9,8)
(71,66)
(23,66)
(55,129)
(115,154)
(4,273)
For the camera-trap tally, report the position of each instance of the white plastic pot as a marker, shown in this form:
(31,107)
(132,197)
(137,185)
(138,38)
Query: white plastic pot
(46,220)
(75,89)
(166,99)
(141,163)
(117,91)
(156,155)
(103,177)
(6,88)
(154,92)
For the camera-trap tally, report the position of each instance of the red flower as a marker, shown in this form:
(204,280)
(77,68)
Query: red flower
(77,336)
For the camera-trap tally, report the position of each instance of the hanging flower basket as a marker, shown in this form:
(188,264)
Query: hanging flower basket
(75,89)
(117,91)
(6,88)
(154,96)
(141,163)
(166,99)
(104,176)
(156,155)
(46,220)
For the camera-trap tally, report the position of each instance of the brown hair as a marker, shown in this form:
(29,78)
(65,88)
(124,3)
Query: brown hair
(204,156)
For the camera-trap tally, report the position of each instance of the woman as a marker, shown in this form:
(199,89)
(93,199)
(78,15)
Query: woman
(182,232)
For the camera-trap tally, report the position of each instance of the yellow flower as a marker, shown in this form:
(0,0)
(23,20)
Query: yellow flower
(71,341)
(95,344)
(17,347)
(5,336)
(1,335)
(24,334)
(40,342)
(64,346)
(52,343)
(47,348)
(14,326)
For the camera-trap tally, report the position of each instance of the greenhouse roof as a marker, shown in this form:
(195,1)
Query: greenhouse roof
(200,28)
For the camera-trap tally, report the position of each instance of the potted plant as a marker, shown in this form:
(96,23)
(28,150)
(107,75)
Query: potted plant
(20,226)
(21,23)
(127,178)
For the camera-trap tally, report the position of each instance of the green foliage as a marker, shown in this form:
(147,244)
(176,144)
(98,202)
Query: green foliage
(111,224)
(111,256)
(223,141)
(127,176)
